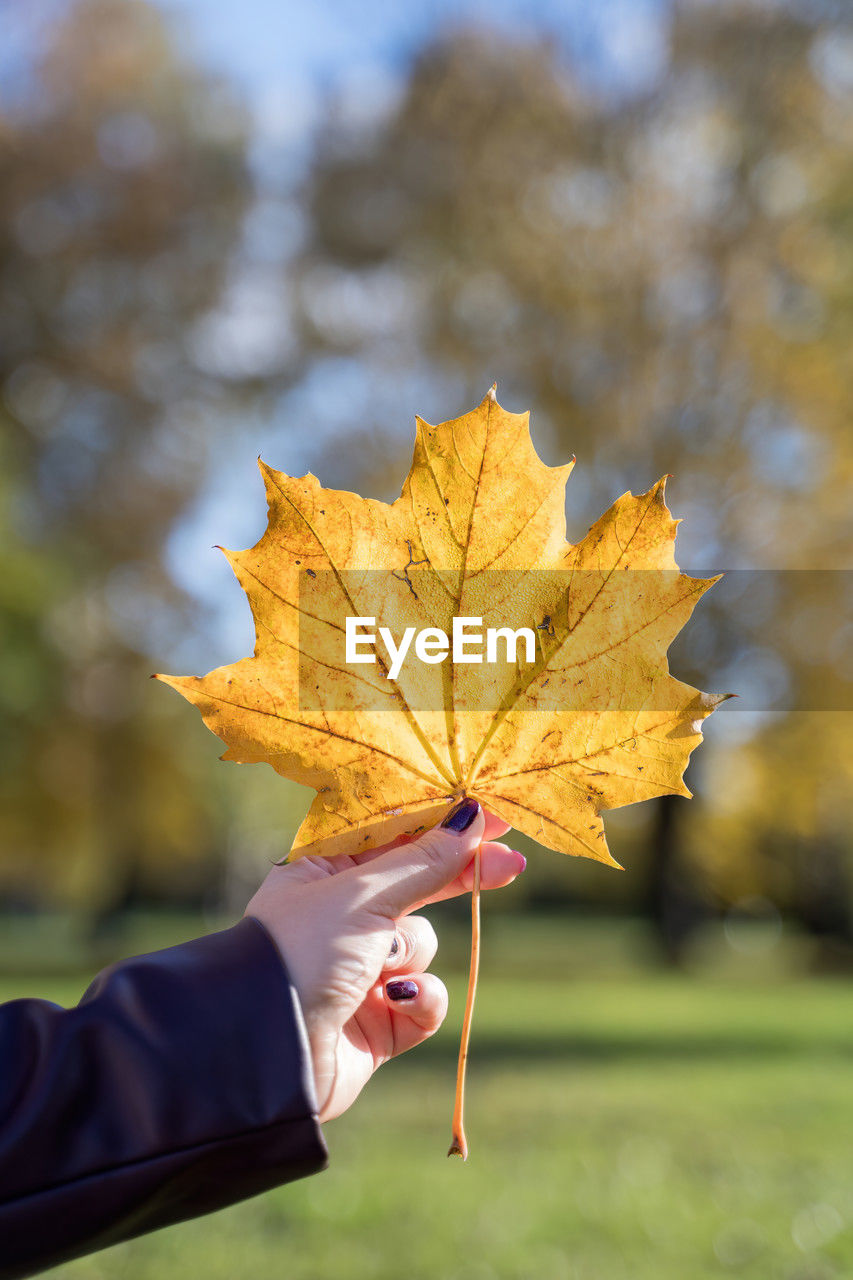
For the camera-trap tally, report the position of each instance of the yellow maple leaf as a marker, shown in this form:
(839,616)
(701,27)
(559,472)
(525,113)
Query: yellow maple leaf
(589,719)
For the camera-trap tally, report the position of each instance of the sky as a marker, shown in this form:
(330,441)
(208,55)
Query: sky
(262,42)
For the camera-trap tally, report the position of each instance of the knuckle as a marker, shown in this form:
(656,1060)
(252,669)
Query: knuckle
(426,937)
(433,850)
(402,957)
(417,943)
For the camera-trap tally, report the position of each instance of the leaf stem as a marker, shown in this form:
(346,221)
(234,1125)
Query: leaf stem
(459,1145)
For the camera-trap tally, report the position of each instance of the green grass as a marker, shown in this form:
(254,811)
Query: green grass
(623,1126)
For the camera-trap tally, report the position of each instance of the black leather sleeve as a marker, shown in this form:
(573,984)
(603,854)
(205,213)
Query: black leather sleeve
(179,1084)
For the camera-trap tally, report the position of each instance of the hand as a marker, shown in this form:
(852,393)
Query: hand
(335,922)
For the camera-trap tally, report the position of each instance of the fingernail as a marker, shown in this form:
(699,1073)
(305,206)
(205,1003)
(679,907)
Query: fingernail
(461,816)
(402,989)
(395,947)
(522,860)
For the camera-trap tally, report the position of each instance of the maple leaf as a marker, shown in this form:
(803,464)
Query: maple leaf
(593,722)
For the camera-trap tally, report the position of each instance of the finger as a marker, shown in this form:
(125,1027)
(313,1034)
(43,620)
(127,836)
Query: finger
(391,884)
(495,826)
(416,945)
(418,1010)
(499,866)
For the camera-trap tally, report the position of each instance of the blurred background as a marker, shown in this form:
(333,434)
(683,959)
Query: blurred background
(242,227)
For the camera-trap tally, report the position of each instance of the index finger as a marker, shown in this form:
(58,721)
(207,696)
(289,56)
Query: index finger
(494,827)
(499,866)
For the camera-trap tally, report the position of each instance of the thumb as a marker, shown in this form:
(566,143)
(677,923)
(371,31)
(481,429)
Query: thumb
(413,872)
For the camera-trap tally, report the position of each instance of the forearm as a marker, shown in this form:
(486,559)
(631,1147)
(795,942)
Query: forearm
(179,1084)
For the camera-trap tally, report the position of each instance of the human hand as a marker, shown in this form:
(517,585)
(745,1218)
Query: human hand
(336,922)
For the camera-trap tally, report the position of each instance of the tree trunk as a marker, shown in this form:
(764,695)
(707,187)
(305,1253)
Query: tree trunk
(674,906)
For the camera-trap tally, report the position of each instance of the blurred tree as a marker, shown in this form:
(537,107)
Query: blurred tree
(667,281)
(123,185)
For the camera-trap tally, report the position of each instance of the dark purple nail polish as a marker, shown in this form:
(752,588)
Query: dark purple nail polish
(461,816)
(395,947)
(402,989)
